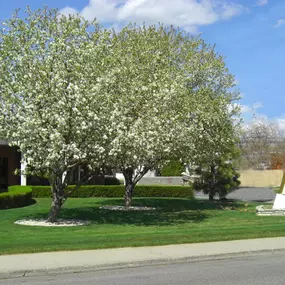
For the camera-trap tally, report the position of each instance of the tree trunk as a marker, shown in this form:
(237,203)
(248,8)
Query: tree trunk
(129,195)
(56,204)
(212,183)
(129,186)
(211,196)
(58,199)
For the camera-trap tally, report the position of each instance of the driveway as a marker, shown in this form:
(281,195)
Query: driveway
(254,194)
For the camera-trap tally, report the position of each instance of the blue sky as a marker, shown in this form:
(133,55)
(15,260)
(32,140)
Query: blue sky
(249,33)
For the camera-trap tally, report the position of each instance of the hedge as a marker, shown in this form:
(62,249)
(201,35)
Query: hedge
(17,196)
(118,191)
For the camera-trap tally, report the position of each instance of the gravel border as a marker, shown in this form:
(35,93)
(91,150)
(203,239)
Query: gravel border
(123,208)
(59,223)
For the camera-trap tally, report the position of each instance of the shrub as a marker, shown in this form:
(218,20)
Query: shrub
(172,168)
(118,191)
(163,191)
(111,180)
(17,196)
(217,179)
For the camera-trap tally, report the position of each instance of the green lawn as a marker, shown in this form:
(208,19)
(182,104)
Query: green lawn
(175,221)
(276,189)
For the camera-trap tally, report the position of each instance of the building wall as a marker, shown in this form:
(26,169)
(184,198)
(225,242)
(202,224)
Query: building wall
(14,158)
(161,180)
(260,178)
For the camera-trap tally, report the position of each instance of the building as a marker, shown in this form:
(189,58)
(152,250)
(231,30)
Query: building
(10,160)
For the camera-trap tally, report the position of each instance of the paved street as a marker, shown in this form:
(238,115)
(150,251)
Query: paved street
(261,269)
(257,194)
(252,194)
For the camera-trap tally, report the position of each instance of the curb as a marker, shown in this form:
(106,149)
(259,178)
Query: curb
(143,263)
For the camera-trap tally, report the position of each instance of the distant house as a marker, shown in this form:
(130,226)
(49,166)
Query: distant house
(10,160)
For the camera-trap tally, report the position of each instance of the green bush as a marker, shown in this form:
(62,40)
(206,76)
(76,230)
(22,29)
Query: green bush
(17,196)
(172,168)
(219,177)
(118,191)
(163,191)
(111,180)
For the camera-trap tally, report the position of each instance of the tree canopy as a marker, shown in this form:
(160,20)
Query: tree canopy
(171,97)
(75,93)
(49,104)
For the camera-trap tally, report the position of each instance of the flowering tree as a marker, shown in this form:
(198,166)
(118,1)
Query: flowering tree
(73,93)
(49,105)
(169,96)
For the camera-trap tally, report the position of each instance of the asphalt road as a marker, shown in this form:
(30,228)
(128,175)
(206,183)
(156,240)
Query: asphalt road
(262,269)
(254,194)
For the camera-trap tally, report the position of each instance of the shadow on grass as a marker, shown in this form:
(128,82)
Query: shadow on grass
(168,212)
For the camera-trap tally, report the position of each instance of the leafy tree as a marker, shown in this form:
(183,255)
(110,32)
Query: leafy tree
(219,177)
(261,143)
(173,168)
(170,97)
(49,104)
(73,93)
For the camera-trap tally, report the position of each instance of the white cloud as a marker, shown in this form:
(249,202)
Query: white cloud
(251,108)
(103,10)
(68,11)
(229,10)
(278,121)
(257,105)
(245,109)
(281,123)
(188,14)
(261,2)
(279,23)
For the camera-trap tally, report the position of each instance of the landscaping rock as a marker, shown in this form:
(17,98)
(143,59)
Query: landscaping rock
(267,211)
(59,223)
(122,208)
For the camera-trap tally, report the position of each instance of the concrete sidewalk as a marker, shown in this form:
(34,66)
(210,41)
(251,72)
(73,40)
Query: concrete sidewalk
(70,261)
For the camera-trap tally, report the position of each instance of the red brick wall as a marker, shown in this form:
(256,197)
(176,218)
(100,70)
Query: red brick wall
(14,158)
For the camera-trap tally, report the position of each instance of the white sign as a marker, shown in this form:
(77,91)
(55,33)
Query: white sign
(279,203)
